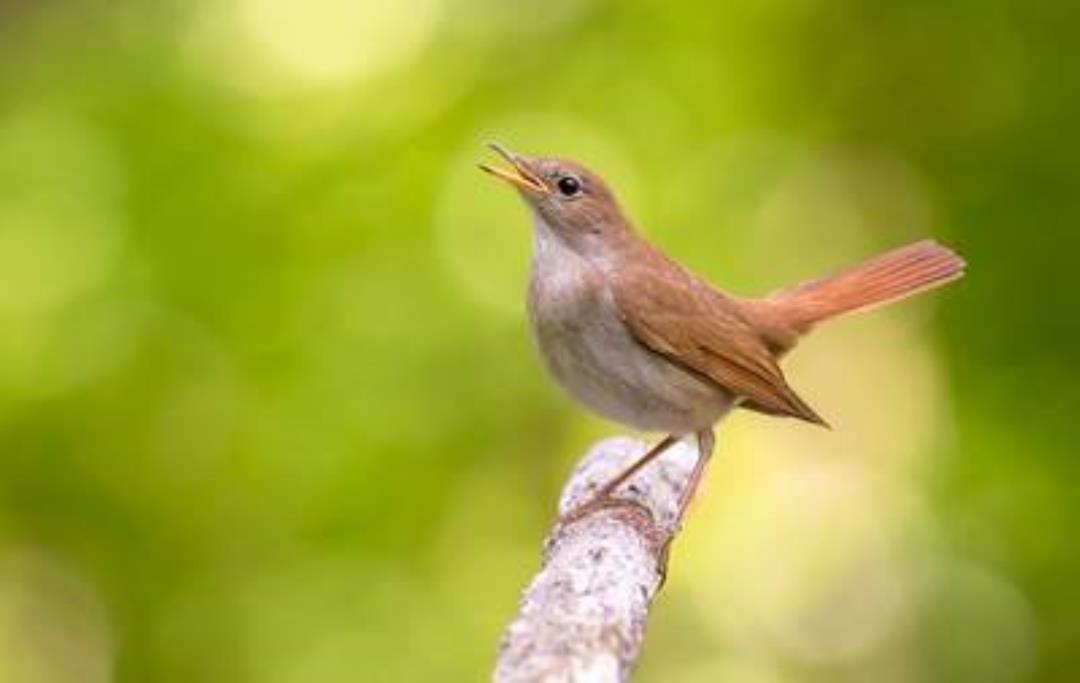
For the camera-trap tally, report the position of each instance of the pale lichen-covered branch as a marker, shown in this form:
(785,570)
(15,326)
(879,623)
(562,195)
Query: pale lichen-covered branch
(583,616)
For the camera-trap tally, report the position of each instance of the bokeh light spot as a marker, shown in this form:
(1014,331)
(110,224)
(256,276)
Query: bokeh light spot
(276,44)
(821,213)
(46,355)
(60,229)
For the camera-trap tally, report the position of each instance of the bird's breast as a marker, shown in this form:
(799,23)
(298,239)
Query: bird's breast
(592,354)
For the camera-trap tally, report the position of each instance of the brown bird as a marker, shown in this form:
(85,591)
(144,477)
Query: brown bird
(640,340)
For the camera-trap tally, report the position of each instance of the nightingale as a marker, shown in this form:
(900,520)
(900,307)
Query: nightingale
(638,339)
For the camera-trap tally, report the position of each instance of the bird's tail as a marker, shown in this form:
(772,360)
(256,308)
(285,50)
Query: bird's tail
(890,277)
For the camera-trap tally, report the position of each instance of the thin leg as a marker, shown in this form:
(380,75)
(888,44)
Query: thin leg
(630,471)
(605,492)
(706,442)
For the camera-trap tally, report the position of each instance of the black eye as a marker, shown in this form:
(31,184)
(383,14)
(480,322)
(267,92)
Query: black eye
(569,186)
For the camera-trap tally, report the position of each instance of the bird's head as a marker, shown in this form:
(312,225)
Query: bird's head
(573,202)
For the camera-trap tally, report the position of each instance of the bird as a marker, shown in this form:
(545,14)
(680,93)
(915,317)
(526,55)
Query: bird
(639,339)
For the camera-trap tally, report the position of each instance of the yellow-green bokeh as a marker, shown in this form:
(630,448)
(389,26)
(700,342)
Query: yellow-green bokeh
(269,411)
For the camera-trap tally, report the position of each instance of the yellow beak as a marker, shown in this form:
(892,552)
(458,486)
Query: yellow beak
(518,174)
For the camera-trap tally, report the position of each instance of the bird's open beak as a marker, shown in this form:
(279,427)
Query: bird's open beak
(518,174)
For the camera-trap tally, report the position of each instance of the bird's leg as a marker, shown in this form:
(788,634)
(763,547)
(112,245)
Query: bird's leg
(605,492)
(655,452)
(706,442)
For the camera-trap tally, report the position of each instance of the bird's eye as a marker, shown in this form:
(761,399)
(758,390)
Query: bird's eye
(569,186)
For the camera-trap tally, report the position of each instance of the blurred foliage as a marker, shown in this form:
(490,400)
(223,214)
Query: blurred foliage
(268,409)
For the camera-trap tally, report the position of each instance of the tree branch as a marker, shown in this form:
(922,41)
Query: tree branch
(582,618)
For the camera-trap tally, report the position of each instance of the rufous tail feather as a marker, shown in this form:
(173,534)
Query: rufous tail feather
(890,277)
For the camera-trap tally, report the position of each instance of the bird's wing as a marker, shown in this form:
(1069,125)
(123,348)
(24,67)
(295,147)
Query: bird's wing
(699,329)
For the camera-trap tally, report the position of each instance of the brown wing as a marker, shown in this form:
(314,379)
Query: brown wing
(702,331)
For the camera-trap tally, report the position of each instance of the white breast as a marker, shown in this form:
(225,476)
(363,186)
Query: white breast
(590,352)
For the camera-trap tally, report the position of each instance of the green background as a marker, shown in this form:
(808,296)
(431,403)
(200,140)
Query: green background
(269,410)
